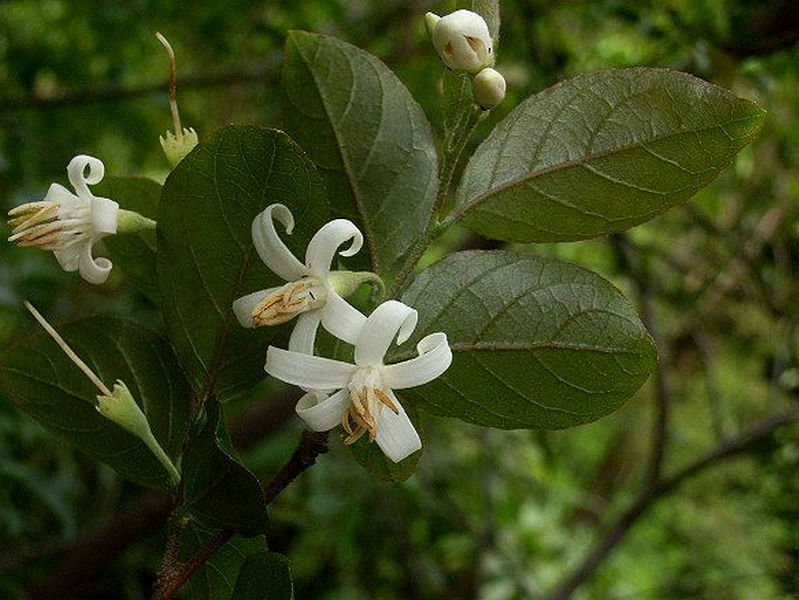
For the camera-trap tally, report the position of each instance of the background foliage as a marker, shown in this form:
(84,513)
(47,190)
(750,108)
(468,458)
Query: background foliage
(490,514)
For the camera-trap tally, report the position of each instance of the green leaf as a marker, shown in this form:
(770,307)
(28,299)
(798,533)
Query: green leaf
(215,580)
(219,491)
(264,576)
(43,382)
(371,458)
(537,343)
(206,258)
(134,253)
(601,153)
(369,138)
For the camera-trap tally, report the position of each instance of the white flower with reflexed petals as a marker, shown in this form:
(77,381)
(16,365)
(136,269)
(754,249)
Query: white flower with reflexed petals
(70,224)
(309,294)
(365,400)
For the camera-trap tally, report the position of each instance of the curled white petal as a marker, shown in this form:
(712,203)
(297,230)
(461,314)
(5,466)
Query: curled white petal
(243,307)
(341,319)
(435,357)
(303,336)
(93,270)
(322,412)
(389,320)
(322,247)
(309,372)
(76,170)
(271,248)
(396,435)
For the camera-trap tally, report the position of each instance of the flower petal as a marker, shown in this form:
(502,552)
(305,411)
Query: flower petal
(104,215)
(322,412)
(341,319)
(309,372)
(271,248)
(93,270)
(322,247)
(69,258)
(76,170)
(303,337)
(243,307)
(396,435)
(388,320)
(435,357)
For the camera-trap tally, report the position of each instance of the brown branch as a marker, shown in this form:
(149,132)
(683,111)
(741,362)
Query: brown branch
(653,492)
(254,73)
(310,447)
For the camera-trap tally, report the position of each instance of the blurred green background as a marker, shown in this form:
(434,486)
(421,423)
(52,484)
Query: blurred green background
(490,514)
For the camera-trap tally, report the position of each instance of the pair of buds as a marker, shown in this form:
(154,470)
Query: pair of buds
(464,43)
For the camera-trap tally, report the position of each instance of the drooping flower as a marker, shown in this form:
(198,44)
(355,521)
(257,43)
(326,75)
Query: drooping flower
(365,400)
(462,40)
(117,405)
(70,224)
(310,294)
(175,145)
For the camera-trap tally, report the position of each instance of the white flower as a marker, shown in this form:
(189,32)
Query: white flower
(310,292)
(365,401)
(70,224)
(489,88)
(462,40)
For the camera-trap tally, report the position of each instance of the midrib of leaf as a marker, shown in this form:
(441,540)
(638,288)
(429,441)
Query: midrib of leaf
(356,191)
(584,161)
(519,347)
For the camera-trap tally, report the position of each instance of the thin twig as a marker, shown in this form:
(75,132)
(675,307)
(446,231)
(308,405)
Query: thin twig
(655,491)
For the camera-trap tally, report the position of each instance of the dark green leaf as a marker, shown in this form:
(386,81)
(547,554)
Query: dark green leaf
(371,458)
(369,138)
(219,491)
(206,258)
(215,580)
(600,153)
(134,253)
(43,382)
(537,343)
(264,576)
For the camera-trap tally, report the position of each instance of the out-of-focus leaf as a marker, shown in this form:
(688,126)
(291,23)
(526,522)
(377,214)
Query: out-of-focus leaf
(600,153)
(43,382)
(206,258)
(537,343)
(368,137)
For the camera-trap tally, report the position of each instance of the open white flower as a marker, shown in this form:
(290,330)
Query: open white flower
(70,224)
(365,401)
(310,292)
(462,40)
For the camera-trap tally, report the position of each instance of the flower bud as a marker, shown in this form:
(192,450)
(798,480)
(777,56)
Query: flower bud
(489,88)
(462,40)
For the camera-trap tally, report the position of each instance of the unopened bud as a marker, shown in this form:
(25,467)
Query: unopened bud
(489,88)
(462,40)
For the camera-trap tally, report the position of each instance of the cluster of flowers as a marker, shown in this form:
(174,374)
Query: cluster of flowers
(357,396)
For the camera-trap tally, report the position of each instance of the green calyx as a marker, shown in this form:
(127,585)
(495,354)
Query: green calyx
(346,283)
(122,409)
(129,221)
